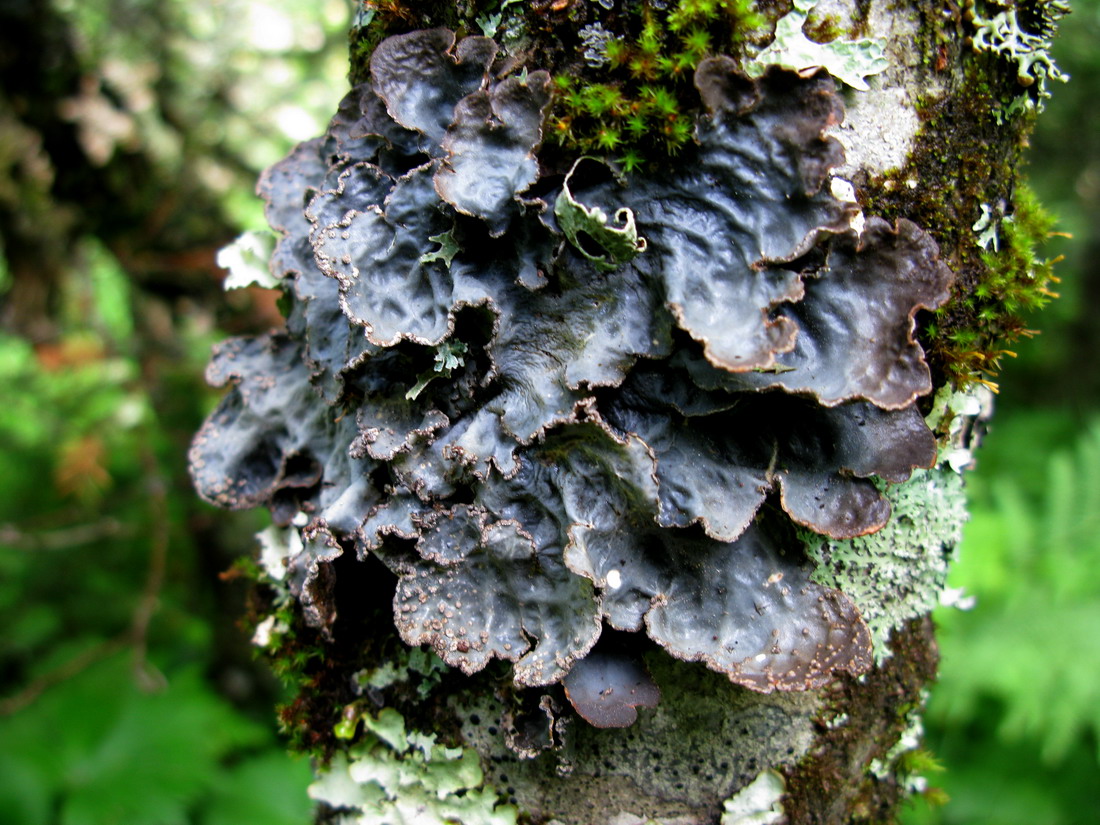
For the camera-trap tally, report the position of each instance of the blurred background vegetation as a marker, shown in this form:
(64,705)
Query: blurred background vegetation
(131,133)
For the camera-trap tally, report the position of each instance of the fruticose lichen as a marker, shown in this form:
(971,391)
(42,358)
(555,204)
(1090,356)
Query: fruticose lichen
(626,440)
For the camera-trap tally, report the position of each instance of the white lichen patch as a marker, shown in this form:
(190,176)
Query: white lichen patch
(892,764)
(843,190)
(880,125)
(986,229)
(898,573)
(246,259)
(394,776)
(277,546)
(878,131)
(954,416)
(268,631)
(758,803)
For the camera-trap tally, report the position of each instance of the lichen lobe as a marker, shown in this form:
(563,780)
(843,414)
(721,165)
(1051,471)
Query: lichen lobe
(629,433)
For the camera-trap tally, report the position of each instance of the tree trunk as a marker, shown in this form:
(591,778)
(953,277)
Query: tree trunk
(932,131)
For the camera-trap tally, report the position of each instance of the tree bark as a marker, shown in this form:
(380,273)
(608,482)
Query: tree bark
(934,141)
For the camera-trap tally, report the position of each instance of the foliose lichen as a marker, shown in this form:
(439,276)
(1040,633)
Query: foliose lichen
(850,61)
(396,776)
(758,803)
(1023,34)
(617,433)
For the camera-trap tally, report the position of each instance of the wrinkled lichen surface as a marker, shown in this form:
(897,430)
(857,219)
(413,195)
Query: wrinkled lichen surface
(553,404)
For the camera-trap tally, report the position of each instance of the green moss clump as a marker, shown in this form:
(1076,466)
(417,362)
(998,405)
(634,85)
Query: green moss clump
(1017,281)
(967,149)
(645,108)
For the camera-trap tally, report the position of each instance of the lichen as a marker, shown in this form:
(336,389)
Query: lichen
(582,224)
(395,776)
(1025,44)
(850,61)
(246,259)
(1016,281)
(758,803)
(964,148)
(407,665)
(898,573)
(596,433)
(704,741)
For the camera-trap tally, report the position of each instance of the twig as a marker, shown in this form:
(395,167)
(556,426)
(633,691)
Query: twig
(76,536)
(159,541)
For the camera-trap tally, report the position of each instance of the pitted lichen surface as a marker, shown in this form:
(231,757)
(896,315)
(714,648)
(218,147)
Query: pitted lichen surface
(545,423)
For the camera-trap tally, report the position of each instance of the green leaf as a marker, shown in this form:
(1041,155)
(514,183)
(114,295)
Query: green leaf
(1033,561)
(448,248)
(268,789)
(105,752)
(621,243)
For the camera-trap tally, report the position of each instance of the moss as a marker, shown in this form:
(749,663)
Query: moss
(966,148)
(642,107)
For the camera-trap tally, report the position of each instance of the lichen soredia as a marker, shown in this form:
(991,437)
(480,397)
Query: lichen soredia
(553,403)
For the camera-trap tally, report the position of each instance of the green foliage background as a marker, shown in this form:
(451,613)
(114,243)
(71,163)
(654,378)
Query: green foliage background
(126,693)
(1015,718)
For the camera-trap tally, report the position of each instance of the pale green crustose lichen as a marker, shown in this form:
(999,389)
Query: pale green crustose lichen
(898,573)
